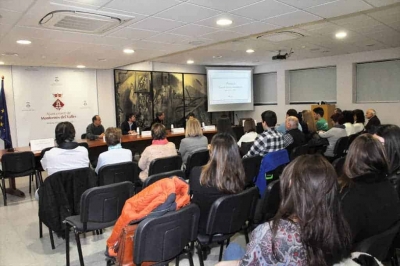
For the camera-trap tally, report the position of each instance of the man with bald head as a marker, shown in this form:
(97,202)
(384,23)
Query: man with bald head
(373,121)
(293,137)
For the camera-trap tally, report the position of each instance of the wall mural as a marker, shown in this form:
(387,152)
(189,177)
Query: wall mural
(175,94)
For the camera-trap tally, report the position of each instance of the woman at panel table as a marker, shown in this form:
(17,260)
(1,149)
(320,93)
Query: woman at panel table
(222,175)
(159,148)
(194,139)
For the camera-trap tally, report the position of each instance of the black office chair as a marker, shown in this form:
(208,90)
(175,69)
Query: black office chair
(119,172)
(340,149)
(300,150)
(378,245)
(165,164)
(166,237)
(268,205)
(39,167)
(197,158)
(259,128)
(353,137)
(100,208)
(251,167)
(17,164)
(154,178)
(245,147)
(83,136)
(227,216)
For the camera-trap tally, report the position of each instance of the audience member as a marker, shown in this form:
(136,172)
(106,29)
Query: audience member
(337,111)
(115,153)
(373,121)
(250,133)
(370,202)
(159,148)
(224,126)
(95,130)
(321,122)
(268,141)
(308,124)
(129,126)
(160,116)
(359,120)
(332,135)
(293,136)
(68,154)
(282,127)
(222,175)
(194,139)
(389,135)
(348,119)
(309,228)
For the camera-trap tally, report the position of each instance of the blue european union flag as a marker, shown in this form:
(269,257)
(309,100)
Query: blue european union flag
(4,125)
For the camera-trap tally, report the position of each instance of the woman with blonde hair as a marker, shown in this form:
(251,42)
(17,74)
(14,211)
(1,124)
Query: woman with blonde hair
(308,124)
(222,175)
(194,139)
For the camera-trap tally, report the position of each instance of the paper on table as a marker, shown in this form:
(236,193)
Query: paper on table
(40,144)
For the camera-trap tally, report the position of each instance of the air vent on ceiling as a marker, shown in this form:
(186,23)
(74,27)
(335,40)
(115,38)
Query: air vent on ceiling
(281,36)
(79,21)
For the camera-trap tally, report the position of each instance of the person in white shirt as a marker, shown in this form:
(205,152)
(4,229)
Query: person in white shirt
(359,120)
(250,133)
(68,155)
(348,122)
(115,153)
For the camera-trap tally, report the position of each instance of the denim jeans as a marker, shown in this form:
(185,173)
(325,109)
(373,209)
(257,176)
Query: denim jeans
(234,251)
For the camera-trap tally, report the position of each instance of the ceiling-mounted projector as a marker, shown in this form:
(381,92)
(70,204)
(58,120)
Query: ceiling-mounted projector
(280,56)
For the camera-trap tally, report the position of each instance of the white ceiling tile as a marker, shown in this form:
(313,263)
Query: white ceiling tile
(339,8)
(9,17)
(351,19)
(193,30)
(254,28)
(15,5)
(145,7)
(133,34)
(302,4)
(157,24)
(224,5)
(357,22)
(379,3)
(372,29)
(388,11)
(389,19)
(395,26)
(167,38)
(223,35)
(236,21)
(4,28)
(188,13)
(291,19)
(94,4)
(329,30)
(148,45)
(315,26)
(264,9)
(389,37)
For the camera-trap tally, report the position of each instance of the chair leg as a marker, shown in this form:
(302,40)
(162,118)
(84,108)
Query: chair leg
(67,244)
(30,183)
(221,250)
(4,191)
(227,242)
(246,235)
(51,239)
(177,260)
(40,229)
(78,244)
(190,257)
(200,253)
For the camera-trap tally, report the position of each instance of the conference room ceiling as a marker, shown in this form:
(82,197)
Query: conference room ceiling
(175,31)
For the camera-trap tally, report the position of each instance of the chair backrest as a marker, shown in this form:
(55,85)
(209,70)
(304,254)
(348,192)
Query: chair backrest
(163,238)
(104,204)
(251,167)
(197,158)
(154,178)
(119,172)
(165,164)
(268,205)
(228,213)
(353,137)
(18,164)
(259,128)
(245,147)
(39,158)
(84,144)
(378,245)
(300,150)
(83,136)
(341,147)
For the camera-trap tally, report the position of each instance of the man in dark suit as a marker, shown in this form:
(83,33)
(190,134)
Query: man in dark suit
(293,136)
(159,118)
(373,121)
(129,125)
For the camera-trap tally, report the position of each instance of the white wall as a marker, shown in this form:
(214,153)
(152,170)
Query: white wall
(345,69)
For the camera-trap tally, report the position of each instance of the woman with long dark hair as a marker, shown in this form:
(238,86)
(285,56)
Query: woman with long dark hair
(309,228)
(222,175)
(370,202)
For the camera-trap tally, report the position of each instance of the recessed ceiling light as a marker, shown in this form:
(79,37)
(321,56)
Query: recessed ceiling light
(190,61)
(249,51)
(129,51)
(217,56)
(303,46)
(224,22)
(80,66)
(341,34)
(24,42)
(1,63)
